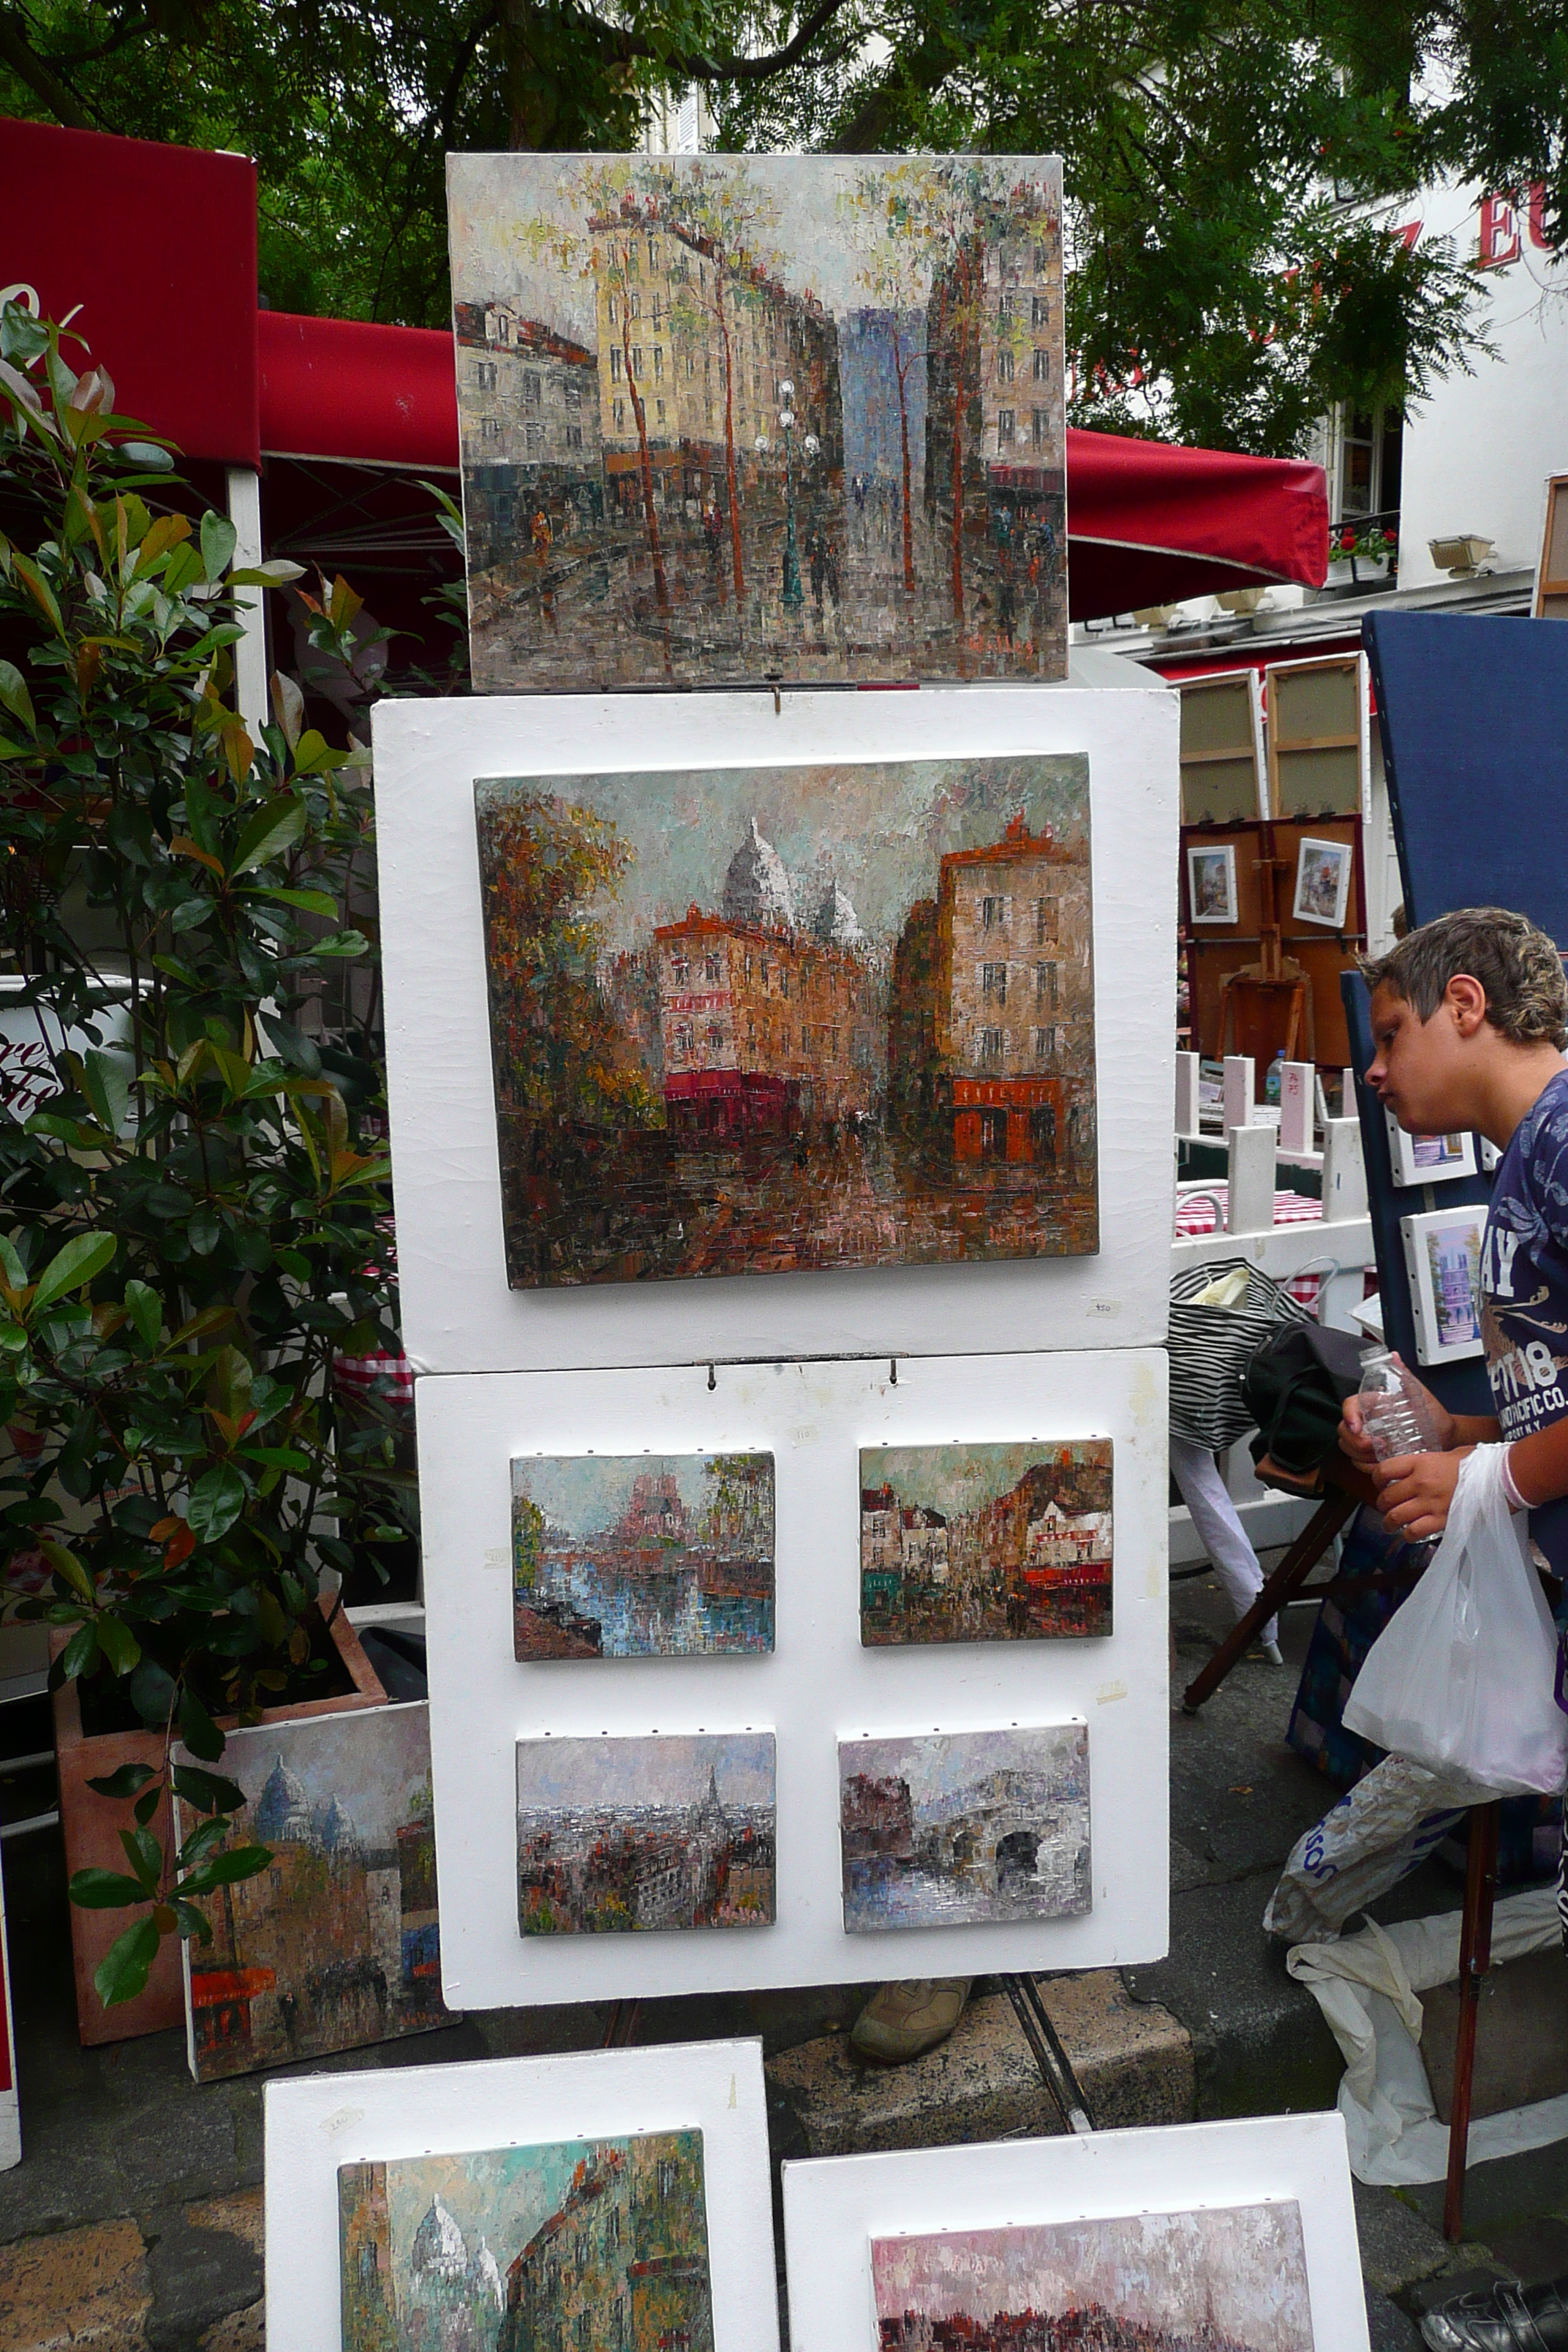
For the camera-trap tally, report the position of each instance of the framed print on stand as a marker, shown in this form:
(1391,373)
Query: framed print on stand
(1443,1259)
(1211,882)
(1428,1159)
(1236,2232)
(399,2198)
(1323,871)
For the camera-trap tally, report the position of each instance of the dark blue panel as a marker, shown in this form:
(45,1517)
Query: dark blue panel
(1461,1387)
(1474,714)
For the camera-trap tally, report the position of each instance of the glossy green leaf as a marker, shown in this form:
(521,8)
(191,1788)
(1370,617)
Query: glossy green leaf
(122,1972)
(83,1257)
(208,1791)
(145,1309)
(125,1782)
(197,1730)
(229,1869)
(272,831)
(14,697)
(217,1500)
(105,1890)
(119,1643)
(79,1653)
(219,539)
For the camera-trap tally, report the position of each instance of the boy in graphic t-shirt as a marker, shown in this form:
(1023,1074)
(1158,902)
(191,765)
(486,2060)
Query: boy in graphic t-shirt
(1470,1019)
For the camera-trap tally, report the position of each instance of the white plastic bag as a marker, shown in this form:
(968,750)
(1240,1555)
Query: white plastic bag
(1462,1678)
(1380,1831)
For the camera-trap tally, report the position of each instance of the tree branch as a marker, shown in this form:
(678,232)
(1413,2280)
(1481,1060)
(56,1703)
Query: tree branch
(18,53)
(698,66)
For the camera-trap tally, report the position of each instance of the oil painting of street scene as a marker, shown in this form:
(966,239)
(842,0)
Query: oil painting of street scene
(336,1943)
(984,1543)
(602,2243)
(961,1828)
(750,1019)
(616,1836)
(1228,2279)
(732,417)
(635,1556)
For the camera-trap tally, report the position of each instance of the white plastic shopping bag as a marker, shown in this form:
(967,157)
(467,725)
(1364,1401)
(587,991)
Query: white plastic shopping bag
(1462,1677)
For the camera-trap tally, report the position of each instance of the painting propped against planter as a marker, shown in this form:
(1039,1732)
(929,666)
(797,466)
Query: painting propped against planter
(753,1020)
(733,417)
(337,1943)
(642,1554)
(602,2243)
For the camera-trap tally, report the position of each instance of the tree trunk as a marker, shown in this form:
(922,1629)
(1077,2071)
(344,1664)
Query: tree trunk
(531,103)
(655,547)
(901,369)
(729,434)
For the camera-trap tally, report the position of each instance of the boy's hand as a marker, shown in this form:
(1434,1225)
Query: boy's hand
(1354,1439)
(1414,1491)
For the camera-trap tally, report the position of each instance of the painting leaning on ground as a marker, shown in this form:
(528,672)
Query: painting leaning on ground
(984,1543)
(337,1943)
(619,1836)
(755,1020)
(642,1554)
(1228,2279)
(594,2242)
(728,417)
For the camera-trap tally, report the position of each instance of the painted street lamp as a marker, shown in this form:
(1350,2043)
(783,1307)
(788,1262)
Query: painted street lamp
(793,594)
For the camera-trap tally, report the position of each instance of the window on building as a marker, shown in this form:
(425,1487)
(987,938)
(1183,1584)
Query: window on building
(657,361)
(668,2179)
(1046,984)
(620,415)
(572,393)
(993,1044)
(652,252)
(993,1135)
(614,367)
(574,436)
(994,982)
(531,387)
(1004,366)
(784,979)
(636,365)
(533,434)
(614,310)
(1045,1044)
(485,375)
(1046,922)
(1005,421)
(583,2330)
(690,365)
(636,311)
(1042,261)
(489,428)
(1370,461)
(1040,428)
(715,1036)
(613,2228)
(1042,364)
(707,412)
(685,1041)
(713,969)
(992,914)
(1040,311)
(658,412)
(679,969)
(1005,310)
(631,261)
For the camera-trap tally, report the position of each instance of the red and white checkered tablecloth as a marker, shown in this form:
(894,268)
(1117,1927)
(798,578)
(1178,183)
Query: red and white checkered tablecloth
(1202,1210)
(361,1373)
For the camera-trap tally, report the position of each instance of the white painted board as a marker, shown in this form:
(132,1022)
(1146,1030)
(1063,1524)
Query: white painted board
(317,2122)
(10,2103)
(834,2206)
(458,1313)
(817,1685)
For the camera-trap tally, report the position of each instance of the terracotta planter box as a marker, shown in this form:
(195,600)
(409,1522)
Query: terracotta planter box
(91,1829)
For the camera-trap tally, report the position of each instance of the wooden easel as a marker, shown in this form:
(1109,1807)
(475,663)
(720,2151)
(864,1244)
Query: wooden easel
(1275,974)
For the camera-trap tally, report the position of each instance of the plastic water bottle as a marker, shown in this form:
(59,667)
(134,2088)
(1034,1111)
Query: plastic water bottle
(1394,1409)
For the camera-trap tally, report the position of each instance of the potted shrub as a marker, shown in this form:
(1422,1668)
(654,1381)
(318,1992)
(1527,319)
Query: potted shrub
(188,1229)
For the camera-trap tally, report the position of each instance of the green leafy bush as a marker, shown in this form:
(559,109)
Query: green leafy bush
(188,1229)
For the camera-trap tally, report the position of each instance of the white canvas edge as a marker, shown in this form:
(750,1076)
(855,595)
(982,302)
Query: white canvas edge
(1226,849)
(834,2206)
(314,2123)
(183,1756)
(457,1314)
(817,1686)
(10,2101)
(1414,1230)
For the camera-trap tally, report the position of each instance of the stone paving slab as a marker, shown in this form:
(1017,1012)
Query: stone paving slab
(86,2286)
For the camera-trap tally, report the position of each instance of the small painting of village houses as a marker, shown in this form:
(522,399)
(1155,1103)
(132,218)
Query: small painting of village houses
(336,1943)
(599,2244)
(619,1836)
(747,1020)
(984,1543)
(964,1828)
(634,1556)
(1223,2279)
(730,417)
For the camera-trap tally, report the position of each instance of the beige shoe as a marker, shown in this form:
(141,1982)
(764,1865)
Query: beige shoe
(903,2021)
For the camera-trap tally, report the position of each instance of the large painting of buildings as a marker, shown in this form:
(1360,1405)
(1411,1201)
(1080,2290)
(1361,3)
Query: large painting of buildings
(631,1556)
(1228,2279)
(728,417)
(627,1835)
(749,1019)
(336,1943)
(595,2244)
(961,1828)
(984,1543)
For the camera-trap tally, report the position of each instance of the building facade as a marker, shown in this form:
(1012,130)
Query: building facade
(531,438)
(622,2264)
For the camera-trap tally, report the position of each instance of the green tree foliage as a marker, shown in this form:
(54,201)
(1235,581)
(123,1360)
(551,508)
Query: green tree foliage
(1220,291)
(188,1231)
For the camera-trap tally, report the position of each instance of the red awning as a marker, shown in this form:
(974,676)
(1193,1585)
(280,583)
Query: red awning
(1148,523)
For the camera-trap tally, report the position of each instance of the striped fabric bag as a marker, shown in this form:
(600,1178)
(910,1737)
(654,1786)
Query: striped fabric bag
(1210,1348)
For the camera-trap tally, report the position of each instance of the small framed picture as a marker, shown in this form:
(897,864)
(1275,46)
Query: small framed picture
(1211,882)
(1443,1259)
(1322,882)
(1427,1158)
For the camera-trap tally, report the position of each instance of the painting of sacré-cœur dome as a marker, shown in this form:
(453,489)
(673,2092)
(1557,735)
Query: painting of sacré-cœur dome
(730,417)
